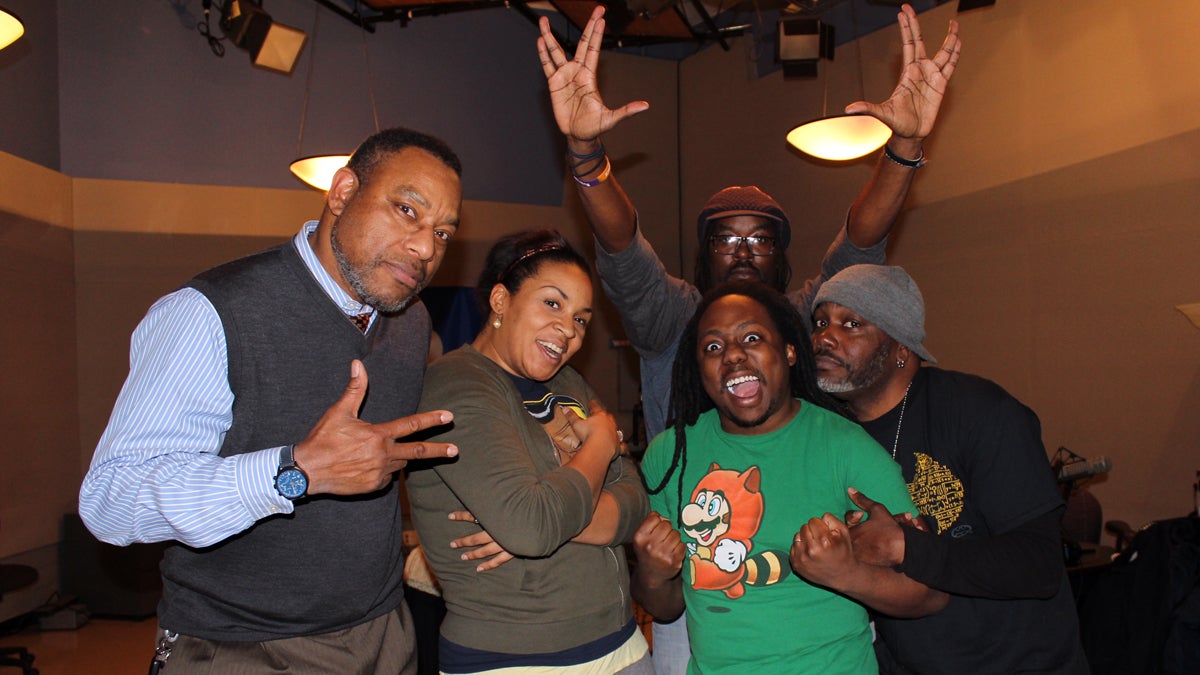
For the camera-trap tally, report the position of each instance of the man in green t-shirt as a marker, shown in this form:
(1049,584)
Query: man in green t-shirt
(742,489)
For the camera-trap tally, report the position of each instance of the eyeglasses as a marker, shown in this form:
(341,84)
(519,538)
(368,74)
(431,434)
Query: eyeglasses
(728,244)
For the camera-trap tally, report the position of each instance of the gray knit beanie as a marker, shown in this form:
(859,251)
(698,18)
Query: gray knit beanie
(744,200)
(885,296)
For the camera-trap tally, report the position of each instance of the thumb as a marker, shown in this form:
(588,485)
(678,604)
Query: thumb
(356,389)
(854,518)
(629,110)
(836,527)
(865,108)
(860,500)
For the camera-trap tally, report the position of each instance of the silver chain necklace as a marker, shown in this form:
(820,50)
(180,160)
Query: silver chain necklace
(903,404)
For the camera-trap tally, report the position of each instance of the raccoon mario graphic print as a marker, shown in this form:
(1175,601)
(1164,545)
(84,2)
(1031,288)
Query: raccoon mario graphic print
(721,519)
(737,501)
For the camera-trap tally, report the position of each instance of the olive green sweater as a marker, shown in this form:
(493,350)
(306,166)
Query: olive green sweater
(556,594)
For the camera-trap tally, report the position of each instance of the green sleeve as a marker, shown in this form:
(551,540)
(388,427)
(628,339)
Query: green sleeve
(655,463)
(872,472)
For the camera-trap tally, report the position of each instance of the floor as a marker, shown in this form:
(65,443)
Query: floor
(100,647)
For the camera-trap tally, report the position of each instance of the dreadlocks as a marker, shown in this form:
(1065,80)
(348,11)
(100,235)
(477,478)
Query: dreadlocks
(688,398)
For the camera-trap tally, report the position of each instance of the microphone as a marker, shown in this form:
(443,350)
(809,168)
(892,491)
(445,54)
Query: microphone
(1084,469)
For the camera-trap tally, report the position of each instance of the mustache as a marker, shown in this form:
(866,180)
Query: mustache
(831,357)
(743,265)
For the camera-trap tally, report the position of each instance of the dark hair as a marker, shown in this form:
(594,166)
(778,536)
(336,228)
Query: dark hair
(515,258)
(390,141)
(704,273)
(688,398)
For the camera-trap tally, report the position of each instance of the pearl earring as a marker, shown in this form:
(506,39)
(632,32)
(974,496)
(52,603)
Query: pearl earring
(496,323)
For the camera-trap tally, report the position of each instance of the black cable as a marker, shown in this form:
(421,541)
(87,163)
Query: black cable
(214,43)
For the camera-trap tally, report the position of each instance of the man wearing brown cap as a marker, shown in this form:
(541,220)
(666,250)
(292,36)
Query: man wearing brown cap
(976,469)
(744,232)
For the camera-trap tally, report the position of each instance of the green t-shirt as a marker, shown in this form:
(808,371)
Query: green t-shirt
(745,498)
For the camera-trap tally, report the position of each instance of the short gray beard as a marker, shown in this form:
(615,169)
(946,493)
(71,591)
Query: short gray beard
(354,277)
(834,387)
(855,380)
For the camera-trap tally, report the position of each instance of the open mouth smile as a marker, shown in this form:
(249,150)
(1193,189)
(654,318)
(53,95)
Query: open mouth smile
(743,386)
(554,349)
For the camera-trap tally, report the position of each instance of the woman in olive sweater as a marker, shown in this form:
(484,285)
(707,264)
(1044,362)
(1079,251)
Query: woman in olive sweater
(541,469)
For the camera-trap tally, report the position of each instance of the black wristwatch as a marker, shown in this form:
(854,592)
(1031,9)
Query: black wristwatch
(291,481)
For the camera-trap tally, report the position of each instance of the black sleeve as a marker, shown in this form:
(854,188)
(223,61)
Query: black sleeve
(1025,562)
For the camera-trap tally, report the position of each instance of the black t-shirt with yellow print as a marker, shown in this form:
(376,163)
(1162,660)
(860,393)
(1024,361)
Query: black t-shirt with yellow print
(975,465)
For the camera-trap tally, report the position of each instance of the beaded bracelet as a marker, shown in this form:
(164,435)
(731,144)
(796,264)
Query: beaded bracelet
(902,161)
(598,179)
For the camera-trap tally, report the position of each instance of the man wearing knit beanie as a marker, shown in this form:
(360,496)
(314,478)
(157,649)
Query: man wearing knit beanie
(743,231)
(976,469)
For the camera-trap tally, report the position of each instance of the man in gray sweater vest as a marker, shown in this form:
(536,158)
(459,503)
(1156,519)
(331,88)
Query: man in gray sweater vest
(237,436)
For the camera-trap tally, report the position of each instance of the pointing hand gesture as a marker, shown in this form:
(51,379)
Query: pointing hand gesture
(344,455)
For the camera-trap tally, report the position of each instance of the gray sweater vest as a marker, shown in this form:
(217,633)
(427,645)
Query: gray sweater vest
(334,562)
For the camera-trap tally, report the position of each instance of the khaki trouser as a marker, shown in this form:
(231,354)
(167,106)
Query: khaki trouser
(382,646)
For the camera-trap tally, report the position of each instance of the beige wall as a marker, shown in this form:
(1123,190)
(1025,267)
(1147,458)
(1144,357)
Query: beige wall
(1054,230)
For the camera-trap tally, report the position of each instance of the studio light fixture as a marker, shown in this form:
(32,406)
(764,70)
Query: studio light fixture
(317,170)
(272,45)
(11,28)
(838,137)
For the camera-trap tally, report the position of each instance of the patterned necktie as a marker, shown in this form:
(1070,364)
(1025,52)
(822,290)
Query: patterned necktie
(362,320)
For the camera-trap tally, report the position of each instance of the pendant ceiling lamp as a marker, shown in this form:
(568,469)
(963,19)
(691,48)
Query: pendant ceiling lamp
(317,170)
(11,28)
(841,137)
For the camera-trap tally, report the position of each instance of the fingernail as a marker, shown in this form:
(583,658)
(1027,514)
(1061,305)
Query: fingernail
(851,490)
(452,451)
(447,416)
(463,557)
(453,545)
(479,569)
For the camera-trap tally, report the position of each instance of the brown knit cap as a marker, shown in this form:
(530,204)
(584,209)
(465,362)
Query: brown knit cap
(748,200)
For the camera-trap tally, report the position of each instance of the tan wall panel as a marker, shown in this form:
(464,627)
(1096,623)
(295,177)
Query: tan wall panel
(38,395)
(131,206)
(34,192)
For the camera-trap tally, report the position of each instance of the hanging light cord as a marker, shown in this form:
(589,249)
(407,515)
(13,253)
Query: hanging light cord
(862,89)
(312,59)
(367,59)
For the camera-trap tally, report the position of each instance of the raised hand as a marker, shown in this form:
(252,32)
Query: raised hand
(878,540)
(578,109)
(481,545)
(913,106)
(344,455)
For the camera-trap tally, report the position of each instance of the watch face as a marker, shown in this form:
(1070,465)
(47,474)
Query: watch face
(291,483)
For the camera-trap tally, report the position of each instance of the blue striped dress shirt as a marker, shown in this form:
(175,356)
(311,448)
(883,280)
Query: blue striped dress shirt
(157,474)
